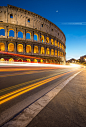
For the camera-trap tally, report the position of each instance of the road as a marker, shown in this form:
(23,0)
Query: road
(21,86)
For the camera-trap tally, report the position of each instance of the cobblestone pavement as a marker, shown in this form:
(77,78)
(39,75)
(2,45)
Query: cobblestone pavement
(67,109)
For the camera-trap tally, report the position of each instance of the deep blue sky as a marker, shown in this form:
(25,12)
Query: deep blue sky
(68,15)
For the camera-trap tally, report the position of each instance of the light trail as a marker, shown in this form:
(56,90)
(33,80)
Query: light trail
(22,84)
(23,90)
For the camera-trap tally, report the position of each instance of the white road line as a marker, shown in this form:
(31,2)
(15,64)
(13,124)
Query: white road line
(25,117)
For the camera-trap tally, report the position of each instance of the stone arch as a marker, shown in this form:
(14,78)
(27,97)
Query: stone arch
(47,39)
(55,52)
(19,48)
(28,35)
(42,50)
(2,46)
(2,31)
(52,52)
(11,47)
(42,38)
(56,43)
(47,51)
(10,32)
(11,60)
(52,42)
(28,60)
(35,37)
(20,60)
(35,60)
(20,34)
(41,60)
(28,49)
(36,49)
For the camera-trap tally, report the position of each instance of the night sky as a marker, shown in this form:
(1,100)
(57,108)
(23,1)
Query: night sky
(68,15)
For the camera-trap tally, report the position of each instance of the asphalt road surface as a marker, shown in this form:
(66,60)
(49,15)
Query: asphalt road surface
(19,83)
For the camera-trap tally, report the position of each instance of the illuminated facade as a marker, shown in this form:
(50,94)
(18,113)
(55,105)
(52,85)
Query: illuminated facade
(26,33)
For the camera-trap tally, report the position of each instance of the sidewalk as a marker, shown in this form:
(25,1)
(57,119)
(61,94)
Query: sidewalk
(67,109)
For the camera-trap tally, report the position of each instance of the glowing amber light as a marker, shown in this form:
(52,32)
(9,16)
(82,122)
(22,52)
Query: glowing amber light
(20,48)
(58,53)
(35,61)
(28,49)
(41,61)
(11,60)
(55,52)
(10,47)
(35,49)
(55,43)
(42,50)
(47,39)
(42,38)
(28,60)
(47,51)
(58,44)
(52,52)
(2,47)
(52,42)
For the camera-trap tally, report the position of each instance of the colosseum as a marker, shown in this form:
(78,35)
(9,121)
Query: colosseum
(26,36)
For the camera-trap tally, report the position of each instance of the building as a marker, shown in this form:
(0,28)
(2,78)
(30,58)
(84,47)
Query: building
(26,36)
(83,58)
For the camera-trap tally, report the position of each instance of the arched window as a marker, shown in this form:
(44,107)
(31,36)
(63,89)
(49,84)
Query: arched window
(52,52)
(20,34)
(11,47)
(11,33)
(28,49)
(55,52)
(35,37)
(2,59)
(42,50)
(35,61)
(20,48)
(20,60)
(42,38)
(2,46)
(47,39)
(2,31)
(52,42)
(47,51)
(28,60)
(36,49)
(11,60)
(41,60)
(55,43)
(58,44)
(58,53)
(28,35)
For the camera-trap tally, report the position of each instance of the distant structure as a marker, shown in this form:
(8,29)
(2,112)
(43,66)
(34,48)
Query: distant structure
(83,58)
(71,60)
(26,36)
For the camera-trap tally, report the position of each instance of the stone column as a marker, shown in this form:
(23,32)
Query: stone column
(6,31)
(32,35)
(15,48)
(16,33)
(24,48)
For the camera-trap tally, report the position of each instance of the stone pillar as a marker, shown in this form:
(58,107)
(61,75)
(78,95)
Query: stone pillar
(6,46)
(24,48)
(39,35)
(32,36)
(32,49)
(39,48)
(15,48)
(16,33)
(6,31)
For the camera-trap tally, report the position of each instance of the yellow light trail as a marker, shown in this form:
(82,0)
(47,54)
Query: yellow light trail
(18,92)
(12,87)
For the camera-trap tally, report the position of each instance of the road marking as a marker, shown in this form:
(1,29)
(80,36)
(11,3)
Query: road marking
(24,118)
(23,90)
(9,88)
